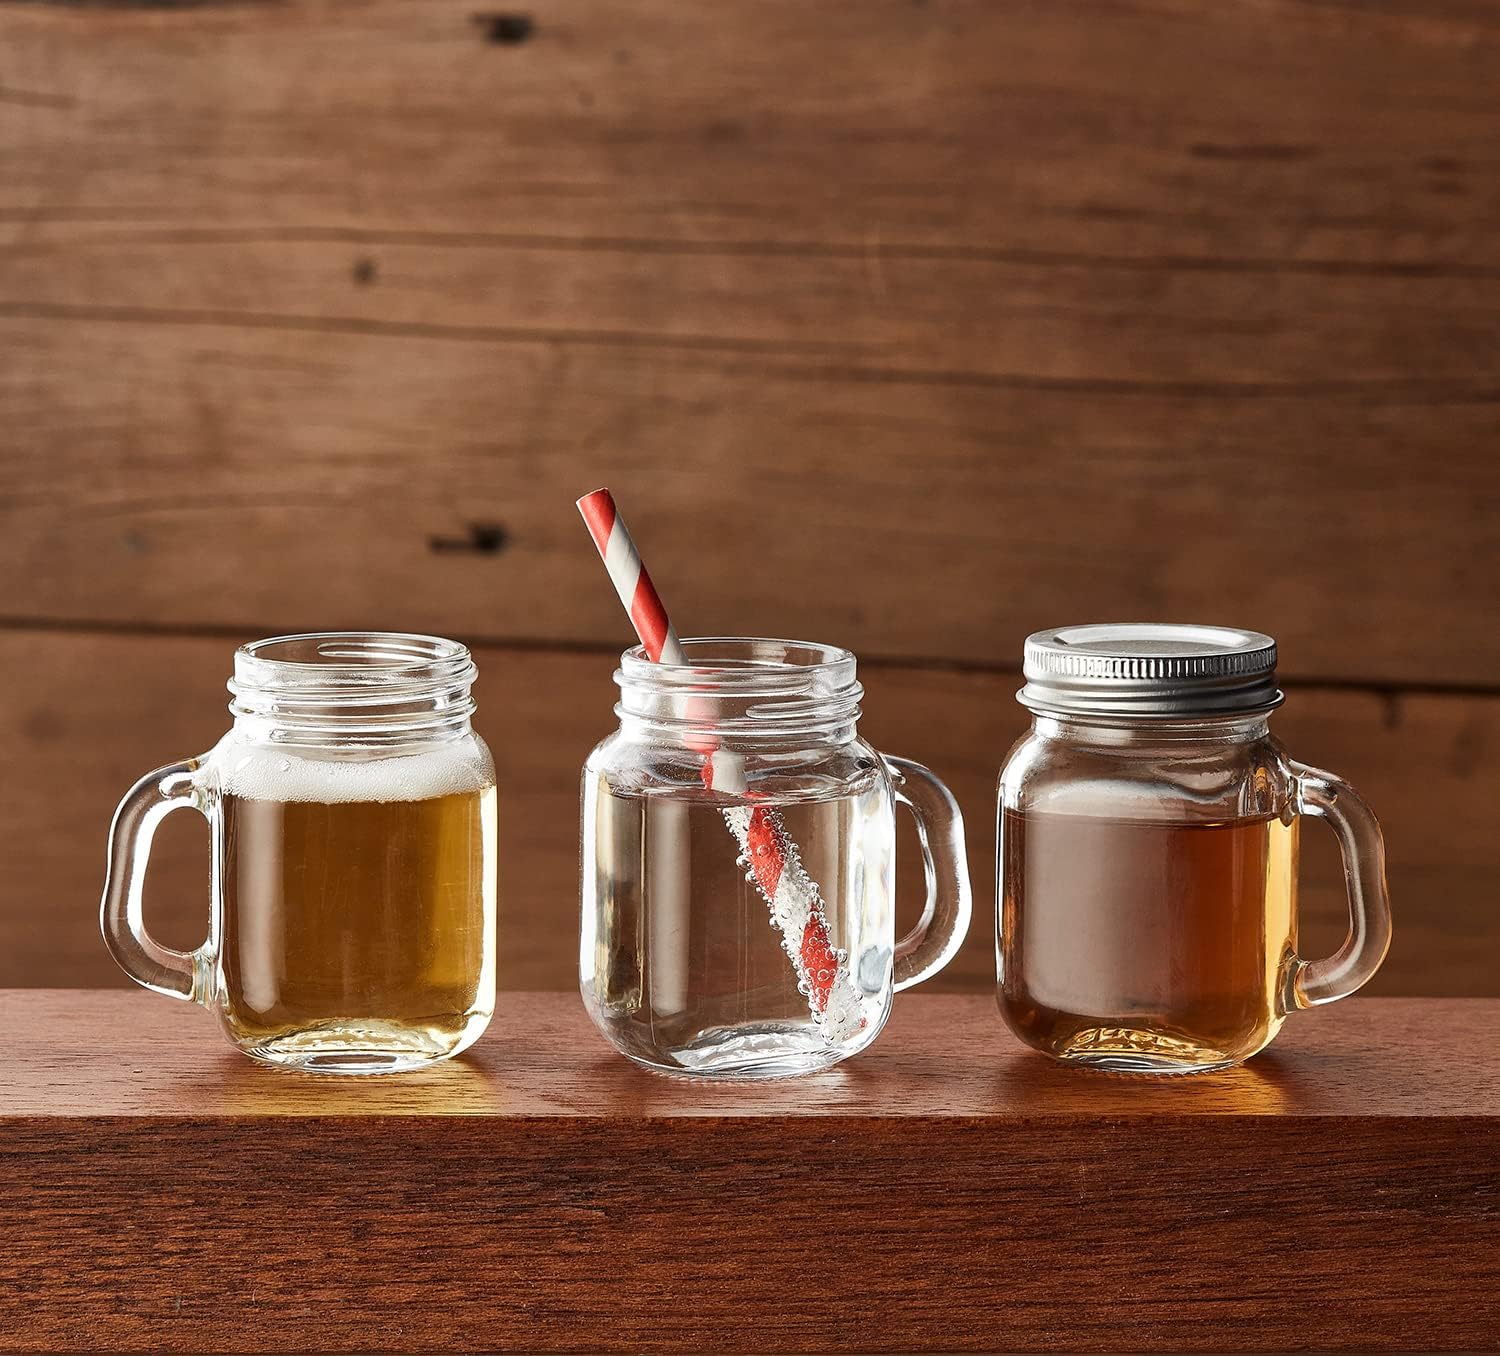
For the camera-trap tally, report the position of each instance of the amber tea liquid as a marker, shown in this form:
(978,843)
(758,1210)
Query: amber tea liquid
(357,933)
(1138,946)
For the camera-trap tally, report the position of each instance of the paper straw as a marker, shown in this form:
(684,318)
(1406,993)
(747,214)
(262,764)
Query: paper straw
(622,562)
(667,885)
(766,848)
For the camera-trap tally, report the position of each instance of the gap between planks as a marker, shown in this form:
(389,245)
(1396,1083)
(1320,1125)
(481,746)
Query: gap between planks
(88,626)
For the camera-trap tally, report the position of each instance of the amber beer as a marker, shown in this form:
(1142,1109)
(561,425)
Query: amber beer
(357,916)
(1126,939)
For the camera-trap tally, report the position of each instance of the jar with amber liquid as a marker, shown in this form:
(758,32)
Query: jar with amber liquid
(351,806)
(1147,847)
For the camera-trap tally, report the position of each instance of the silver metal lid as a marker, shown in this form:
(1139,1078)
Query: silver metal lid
(1153,669)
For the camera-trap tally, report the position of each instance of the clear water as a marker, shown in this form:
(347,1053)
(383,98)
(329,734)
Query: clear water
(683,966)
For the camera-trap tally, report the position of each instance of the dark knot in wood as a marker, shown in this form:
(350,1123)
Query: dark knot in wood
(509,30)
(486,539)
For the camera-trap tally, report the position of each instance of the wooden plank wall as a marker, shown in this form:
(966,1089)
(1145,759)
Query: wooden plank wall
(911,326)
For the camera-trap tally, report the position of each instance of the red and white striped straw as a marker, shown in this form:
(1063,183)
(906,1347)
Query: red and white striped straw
(628,575)
(766,848)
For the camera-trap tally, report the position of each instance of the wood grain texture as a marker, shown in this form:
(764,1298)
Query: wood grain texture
(1001,316)
(86,715)
(1285,132)
(542,1194)
(913,327)
(89,1053)
(210,475)
(1408,336)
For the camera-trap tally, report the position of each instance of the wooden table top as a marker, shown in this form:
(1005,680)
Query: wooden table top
(944,1191)
(82,1053)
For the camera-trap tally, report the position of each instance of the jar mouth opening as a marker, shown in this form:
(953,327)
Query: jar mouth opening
(742,688)
(381,683)
(743,662)
(318,657)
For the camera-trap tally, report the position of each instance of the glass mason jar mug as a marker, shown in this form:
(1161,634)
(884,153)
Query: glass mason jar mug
(737,867)
(352,908)
(1148,835)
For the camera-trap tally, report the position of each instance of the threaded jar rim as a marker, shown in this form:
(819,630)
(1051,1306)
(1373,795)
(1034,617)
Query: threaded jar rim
(385,685)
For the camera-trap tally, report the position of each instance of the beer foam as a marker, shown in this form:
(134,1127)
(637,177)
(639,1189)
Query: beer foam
(287,776)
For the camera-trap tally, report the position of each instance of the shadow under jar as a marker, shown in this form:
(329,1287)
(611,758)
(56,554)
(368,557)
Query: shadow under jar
(352,806)
(738,860)
(1147,844)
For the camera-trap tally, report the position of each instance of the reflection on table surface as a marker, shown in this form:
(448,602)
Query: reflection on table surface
(95,1053)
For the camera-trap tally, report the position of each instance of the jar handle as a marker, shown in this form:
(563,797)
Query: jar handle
(1310,983)
(178,974)
(944,923)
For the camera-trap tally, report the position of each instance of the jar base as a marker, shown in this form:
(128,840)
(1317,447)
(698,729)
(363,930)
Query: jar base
(361,1048)
(1138,1064)
(745,1054)
(1132,1050)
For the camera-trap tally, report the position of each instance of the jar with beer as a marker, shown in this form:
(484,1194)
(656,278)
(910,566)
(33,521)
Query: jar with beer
(352,902)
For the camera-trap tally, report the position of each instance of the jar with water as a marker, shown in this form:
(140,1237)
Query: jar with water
(738,865)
